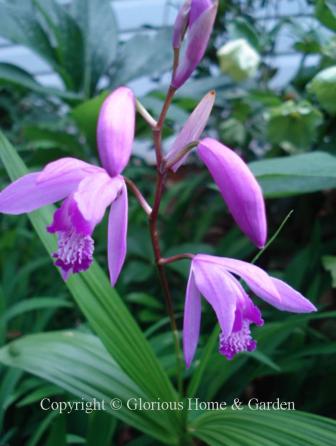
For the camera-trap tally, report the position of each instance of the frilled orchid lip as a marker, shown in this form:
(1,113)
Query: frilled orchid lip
(215,279)
(75,244)
(237,342)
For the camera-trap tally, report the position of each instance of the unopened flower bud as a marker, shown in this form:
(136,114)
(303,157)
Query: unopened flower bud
(323,86)
(197,18)
(238,59)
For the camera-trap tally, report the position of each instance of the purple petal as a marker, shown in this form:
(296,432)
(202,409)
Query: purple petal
(191,320)
(219,289)
(292,300)
(95,193)
(68,218)
(256,278)
(26,195)
(246,309)
(115,130)
(252,313)
(197,42)
(238,187)
(67,169)
(117,234)
(181,24)
(197,9)
(192,129)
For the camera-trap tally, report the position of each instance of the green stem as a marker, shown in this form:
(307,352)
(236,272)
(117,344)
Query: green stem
(274,236)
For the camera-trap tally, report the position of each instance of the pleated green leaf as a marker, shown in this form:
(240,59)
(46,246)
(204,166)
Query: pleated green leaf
(79,363)
(248,427)
(106,312)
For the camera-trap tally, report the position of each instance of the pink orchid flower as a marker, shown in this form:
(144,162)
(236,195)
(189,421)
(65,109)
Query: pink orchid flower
(214,278)
(87,191)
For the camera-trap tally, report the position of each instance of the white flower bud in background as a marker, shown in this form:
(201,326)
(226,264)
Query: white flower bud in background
(323,86)
(238,59)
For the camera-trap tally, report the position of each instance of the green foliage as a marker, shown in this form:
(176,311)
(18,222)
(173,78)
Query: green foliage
(329,263)
(264,428)
(293,126)
(297,174)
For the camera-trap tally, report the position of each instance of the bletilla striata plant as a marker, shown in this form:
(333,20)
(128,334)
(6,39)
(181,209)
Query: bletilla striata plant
(87,190)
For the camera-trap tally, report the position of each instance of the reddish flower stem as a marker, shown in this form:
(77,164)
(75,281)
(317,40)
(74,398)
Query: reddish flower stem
(167,260)
(138,195)
(154,233)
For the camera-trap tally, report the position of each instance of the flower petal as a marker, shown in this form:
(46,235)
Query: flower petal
(238,187)
(256,278)
(67,169)
(197,42)
(117,234)
(219,289)
(26,195)
(115,130)
(181,23)
(292,300)
(68,218)
(95,193)
(197,9)
(192,129)
(246,309)
(191,320)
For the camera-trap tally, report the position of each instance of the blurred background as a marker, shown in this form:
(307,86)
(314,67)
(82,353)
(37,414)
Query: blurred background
(273,65)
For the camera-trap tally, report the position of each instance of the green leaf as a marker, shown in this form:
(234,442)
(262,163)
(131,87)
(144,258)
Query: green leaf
(329,263)
(293,125)
(263,428)
(86,116)
(99,28)
(141,54)
(79,363)
(69,42)
(106,313)
(232,132)
(325,11)
(295,175)
(33,304)
(13,75)
(101,429)
(20,25)
(241,28)
(57,436)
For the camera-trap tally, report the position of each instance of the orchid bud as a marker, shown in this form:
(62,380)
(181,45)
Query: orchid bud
(238,59)
(198,19)
(181,24)
(191,131)
(238,187)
